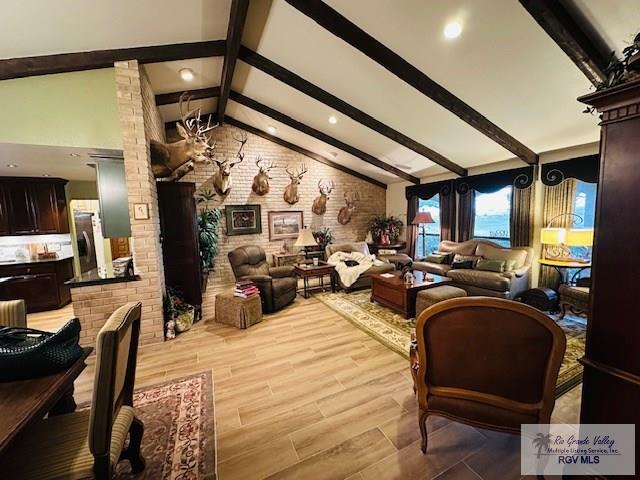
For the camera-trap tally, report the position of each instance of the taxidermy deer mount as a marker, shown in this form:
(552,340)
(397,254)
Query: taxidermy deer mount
(222,178)
(320,202)
(174,160)
(345,213)
(291,192)
(260,184)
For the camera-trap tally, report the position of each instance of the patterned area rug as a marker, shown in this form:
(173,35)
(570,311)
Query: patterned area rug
(179,437)
(394,331)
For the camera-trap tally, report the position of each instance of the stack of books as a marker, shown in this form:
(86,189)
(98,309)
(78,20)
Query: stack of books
(246,289)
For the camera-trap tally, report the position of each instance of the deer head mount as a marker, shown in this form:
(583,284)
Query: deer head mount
(291,192)
(222,178)
(345,213)
(260,184)
(319,206)
(174,160)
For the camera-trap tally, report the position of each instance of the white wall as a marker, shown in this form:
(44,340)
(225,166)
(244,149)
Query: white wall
(397,203)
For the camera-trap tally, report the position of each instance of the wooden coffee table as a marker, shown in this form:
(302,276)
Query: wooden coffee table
(394,293)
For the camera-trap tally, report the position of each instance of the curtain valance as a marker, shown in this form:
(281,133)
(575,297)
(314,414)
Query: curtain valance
(427,190)
(582,168)
(492,182)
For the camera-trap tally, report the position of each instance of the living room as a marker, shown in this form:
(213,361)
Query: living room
(286,239)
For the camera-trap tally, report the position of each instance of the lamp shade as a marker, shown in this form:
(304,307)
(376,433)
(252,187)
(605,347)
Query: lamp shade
(553,236)
(422,217)
(579,237)
(305,239)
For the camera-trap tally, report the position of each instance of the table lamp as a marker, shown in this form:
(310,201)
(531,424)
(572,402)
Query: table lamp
(421,219)
(305,240)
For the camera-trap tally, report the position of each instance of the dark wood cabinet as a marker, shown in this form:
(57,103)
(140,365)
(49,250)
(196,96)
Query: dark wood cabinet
(31,206)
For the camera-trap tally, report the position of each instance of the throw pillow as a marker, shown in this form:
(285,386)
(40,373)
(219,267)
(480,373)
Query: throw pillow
(490,265)
(448,256)
(509,265)
(462,265)
(435,258)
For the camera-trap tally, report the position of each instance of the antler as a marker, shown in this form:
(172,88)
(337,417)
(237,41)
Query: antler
(184,117)
(289,172)
(351,198)
(242,140)
(303,170)
(326,189)
(266,164)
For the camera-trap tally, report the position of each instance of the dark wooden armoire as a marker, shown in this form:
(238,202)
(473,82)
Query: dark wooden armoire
(611,389)
(180,249)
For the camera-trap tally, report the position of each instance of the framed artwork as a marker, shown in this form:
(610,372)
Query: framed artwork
(141,211)
(285,224)
(243,219)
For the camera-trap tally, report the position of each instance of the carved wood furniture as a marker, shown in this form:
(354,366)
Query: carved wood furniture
(487,362)
(305,271)
(394,293)
(575,298)
(611,388)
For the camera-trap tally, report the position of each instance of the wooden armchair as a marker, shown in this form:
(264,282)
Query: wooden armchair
(487,362)
(89,444)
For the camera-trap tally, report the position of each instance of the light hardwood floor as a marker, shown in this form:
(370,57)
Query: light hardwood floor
(305,395)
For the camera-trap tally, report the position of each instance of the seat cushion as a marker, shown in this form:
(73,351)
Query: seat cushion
(477,278)
(435,268)
(57,447)
(431,296)
(283,285)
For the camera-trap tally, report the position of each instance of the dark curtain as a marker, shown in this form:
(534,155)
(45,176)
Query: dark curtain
(466,215)
(522,217)
(412,230)
(448,216)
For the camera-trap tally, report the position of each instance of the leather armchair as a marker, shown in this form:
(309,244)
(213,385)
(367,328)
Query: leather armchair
(277,285)
(487,362)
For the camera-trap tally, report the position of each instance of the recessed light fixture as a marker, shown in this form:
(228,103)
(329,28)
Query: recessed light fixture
(12,165)
(272,130)
(186,74)
(333,119)
(452,30)
(46,175)
(74,154)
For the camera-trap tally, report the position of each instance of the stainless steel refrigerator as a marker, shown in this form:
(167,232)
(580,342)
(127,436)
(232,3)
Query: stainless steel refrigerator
(85,240)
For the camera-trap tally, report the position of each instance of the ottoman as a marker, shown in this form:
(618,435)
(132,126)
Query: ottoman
(237,311)
(431,296)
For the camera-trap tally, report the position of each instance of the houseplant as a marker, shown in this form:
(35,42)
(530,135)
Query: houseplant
(324,237)
(208,236)
(385,230)
(179,314)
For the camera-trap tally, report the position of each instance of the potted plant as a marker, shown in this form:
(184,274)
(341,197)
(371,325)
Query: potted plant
(324,237)
(208,236)
(378,227)
(178,313)
(394,228)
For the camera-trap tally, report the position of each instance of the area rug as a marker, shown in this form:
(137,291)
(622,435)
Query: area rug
(179,423)
(394,331)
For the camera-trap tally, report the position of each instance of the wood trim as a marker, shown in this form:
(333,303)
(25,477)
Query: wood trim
(295,81)
(323,137)
(573,35)
(174,97)
(608,370)
(302,151)
(344,29)
(78,61)
(237,19)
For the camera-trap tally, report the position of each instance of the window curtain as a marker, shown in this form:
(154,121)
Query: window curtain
(558,199)
(448,216)
(466,215)
(521,222)
(412,230)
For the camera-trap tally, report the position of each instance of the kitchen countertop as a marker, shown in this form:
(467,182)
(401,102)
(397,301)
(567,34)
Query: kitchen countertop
(26,262)
(91,277)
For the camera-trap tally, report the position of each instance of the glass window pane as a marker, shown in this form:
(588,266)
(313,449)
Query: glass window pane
(493,212)
(429,233)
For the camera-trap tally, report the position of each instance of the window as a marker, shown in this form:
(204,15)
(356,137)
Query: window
(429,233)
(584,205)
(493,215)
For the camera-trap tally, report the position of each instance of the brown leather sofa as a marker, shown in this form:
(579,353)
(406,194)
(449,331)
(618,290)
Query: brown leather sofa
(364,281)
(277,285)
(481,283)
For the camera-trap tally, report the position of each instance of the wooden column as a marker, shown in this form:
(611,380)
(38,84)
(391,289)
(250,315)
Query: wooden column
(611,390)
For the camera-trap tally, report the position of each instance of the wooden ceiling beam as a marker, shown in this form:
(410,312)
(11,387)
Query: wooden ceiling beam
(237,19)
(302,151)
(341,27)
(74,62)
(323,137)
(573,35)
(295,81)
(198,94)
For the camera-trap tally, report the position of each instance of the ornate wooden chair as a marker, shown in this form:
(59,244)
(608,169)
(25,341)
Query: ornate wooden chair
(13,313)
(487,362)
(89,443)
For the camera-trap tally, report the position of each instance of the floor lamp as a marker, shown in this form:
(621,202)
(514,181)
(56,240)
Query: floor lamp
(420,220)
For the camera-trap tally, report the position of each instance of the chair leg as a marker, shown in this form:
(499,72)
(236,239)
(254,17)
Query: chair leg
(423,430)
(563,310)
(102,467)
(133,453)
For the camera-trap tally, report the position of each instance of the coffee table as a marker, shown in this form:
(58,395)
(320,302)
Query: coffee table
(309,270)
(391,291)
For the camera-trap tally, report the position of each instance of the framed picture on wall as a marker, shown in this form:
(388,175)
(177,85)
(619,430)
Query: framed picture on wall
(285,224)
(243,219)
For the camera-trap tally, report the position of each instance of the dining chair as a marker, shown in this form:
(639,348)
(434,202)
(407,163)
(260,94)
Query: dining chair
(90,443)
(487,362)
(13,313)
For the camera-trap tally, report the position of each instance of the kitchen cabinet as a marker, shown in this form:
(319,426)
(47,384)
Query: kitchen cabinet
(31,206)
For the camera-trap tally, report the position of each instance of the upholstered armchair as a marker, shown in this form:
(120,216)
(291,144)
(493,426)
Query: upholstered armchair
(13,313)
(487,362)
(277,285)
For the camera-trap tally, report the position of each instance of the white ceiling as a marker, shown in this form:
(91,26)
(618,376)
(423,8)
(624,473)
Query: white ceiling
(165,76)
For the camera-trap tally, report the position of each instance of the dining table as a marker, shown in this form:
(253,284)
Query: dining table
(23,402)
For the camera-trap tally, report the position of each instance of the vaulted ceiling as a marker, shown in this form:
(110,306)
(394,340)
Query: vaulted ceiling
(504,66)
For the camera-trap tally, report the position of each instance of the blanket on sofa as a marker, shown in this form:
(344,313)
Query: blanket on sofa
(350,274)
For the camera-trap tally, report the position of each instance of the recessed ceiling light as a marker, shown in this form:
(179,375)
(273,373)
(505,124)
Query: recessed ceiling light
(333,119)
(272,130)
(186,74)
(46,175)
(74,154)
(452,30)
(12,165)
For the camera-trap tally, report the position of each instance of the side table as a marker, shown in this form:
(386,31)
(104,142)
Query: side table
(306,271)
(237,311)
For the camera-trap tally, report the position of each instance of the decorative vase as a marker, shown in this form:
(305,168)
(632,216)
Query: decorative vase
(384,239)
(184,320)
